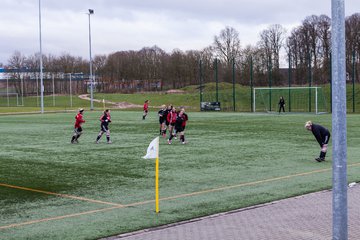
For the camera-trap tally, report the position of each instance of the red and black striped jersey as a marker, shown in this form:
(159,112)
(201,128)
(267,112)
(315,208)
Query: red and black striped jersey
(105,118)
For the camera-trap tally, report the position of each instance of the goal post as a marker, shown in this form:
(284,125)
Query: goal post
(297,99)
(9,99)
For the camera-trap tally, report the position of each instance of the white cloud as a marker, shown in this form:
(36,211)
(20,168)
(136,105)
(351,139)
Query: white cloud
(133,24)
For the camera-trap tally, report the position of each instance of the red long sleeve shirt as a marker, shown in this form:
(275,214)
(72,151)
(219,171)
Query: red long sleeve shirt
(79,120)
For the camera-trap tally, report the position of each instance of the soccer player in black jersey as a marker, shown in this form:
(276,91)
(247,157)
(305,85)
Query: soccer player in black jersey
(180,124)
(162,119)
(281,104)
(181,128)
(322,136)
(105,119)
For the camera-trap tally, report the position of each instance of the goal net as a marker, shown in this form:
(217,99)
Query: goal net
(297,99)
(9,99)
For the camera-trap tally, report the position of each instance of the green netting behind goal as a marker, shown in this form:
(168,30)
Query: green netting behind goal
(297,99)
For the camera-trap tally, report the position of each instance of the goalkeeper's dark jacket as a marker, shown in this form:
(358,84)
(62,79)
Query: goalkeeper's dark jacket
(321,134)
(282,102)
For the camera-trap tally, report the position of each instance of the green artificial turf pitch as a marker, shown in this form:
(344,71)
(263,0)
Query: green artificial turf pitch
(51,189)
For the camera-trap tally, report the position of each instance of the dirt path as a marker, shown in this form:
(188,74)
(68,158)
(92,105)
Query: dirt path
(121,105)
(125,105)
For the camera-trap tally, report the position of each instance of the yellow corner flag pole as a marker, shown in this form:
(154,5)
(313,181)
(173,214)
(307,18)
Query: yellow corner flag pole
(157,180)
(151,153)
(103,103)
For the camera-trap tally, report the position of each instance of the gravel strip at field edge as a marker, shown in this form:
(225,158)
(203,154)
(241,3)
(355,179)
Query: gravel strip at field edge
(304,217)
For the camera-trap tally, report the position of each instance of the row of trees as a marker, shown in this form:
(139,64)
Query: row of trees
(306,49)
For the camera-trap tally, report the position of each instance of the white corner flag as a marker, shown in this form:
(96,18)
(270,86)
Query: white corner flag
(153,149)
(153,152)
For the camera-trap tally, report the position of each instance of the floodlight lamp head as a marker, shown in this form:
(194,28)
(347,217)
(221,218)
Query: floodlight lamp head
(91,11)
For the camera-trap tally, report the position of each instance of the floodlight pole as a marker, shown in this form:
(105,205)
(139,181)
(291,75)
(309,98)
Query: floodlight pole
(233,82)
(7,91)
(270,79)
(37,91)
(53,85)
(353,80)
(71,103)
(200,82)
(217,80)
(91,11)
(289,79)
(339,172)
(251,84)
(41,63)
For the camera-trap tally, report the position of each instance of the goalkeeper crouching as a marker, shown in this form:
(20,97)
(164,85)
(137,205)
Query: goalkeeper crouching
(322,135)
(105,119)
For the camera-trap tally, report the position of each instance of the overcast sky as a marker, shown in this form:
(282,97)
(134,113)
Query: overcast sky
(132,24)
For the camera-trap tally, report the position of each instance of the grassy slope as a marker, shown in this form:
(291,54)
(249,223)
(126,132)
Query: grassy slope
(190,99)
(224,149)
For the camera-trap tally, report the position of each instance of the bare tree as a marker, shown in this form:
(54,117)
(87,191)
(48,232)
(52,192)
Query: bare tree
(311,32)
(227,45)
(271,40)
(176,68)
(309,46)
(16,62)
(65,63)
(207,56)
(324,26)
(352,31)
(192,67)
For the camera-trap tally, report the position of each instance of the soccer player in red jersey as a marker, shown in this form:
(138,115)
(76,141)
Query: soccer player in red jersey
(171,118)
(185,118)
(105,119)
(165,114)
(146,107)
(77,127)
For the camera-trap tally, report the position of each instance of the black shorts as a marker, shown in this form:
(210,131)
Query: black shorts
(104,128)
(161,120)
(326,139)
(179,129)
(78,130)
